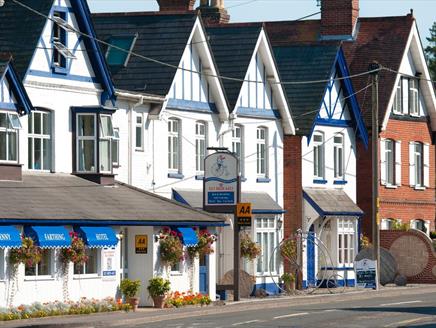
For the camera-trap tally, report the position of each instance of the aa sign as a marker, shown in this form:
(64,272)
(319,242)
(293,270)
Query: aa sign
(243,210)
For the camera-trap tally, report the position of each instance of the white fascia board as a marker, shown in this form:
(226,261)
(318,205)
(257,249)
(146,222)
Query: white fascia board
(129,96)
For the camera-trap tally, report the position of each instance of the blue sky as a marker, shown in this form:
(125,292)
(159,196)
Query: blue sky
(263,10)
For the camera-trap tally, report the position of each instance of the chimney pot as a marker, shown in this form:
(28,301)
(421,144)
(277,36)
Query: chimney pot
(176,5)
(339,18)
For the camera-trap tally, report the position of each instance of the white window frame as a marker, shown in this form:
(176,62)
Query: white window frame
(105,138)
(388,224)
(98,264)
(419,164)
(37,275)
(397,106)
(338,157)
(414,97)
(116,143)
(140,126)
(9,130)
(266,232)
(262,151)
(346,231)
(318,153)
(174,138)
(42,136)
(200,145)
(237,140)
(390,162)
(86,138)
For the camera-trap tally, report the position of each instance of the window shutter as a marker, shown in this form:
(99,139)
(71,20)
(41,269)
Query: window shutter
(382,161)
(398,163)
(412,164)
(426,165)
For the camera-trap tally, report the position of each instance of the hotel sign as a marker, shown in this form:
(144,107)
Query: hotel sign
(221,182)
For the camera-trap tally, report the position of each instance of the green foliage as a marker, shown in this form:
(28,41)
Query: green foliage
(170,247)
(287,277)
(288,250)
(129,288)
(158,286)
(433,234)
(398,225)
(28,254)
(431,51)
(249,249)
(76,253)
(178,299)
(204,245)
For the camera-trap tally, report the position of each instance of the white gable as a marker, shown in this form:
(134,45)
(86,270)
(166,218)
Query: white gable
(78,70)
(7,99)
(334,105)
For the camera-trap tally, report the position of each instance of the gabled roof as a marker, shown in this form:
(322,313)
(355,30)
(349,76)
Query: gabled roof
(67,199)
(233,47)
(161,37)
(20,31)
(302,63)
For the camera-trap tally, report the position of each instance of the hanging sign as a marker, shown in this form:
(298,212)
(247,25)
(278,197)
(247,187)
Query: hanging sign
(220,193)
(108,262)
(141,244)
(366,273)
(243,214)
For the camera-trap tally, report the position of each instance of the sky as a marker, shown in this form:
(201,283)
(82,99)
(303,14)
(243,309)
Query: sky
(267,10)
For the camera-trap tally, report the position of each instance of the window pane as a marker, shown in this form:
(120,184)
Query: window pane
(115,145)
(270,252)
(46,123)
(265,252)
(37,154)
(91,264)
(46,154)
(106,126)
(44,267)
(346,248)
(14,121)
(30,153)
(259,259)
(79,269)
(86,155)
(4,120)
(3,146)
(116,56)
(86,125)
(30,123)
(30,271)
(139,137)
(37,123)
(105,159)
(12,146)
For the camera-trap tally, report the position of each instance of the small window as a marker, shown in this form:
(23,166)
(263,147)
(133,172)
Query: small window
(118,57)
(419,164)
(262,160)
(318,155)
(420,225)
(44,267)
(116,147)
(91,265)
(390,161)
(39,141)
(200,145)
(338,154)
(139,141)
(413,97)
(398,100)
(174,145)
(238,146)
(59,42)
(267,238)
(9,125)
(177,268)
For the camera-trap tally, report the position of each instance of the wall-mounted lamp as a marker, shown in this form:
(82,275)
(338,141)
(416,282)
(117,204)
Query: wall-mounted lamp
(121,234)
(279,224)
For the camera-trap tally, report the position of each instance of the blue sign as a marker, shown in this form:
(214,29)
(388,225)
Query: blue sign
(221,197)
(109,273)
(366,273)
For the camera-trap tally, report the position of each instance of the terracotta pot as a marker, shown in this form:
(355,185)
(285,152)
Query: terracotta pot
(134,302)
(159,301)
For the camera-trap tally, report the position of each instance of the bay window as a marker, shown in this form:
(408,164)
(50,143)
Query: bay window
(200,146)
(9,126)
(318,155)
(267,238)
(346,241)
(39,141)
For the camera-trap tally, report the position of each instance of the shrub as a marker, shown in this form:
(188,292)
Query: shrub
(249,249)
(158,286)
(129,288)
(178,299)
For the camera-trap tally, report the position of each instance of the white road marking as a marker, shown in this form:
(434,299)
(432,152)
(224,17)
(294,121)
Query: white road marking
(405,322)
(244,322)
(400,303)
(331,310)
(291,315)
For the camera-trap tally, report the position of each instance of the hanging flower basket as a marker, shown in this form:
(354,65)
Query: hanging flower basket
(204,245)
(28,254)
(249,249)
(170,247)
(76,253)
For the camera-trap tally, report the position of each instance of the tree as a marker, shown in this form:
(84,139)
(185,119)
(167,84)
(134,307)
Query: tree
(431,52)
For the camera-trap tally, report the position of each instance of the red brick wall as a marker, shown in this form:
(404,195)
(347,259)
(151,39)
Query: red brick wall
(405,202)
(338,17)
(292,189)
(176,5)
(364,186)
(413,252)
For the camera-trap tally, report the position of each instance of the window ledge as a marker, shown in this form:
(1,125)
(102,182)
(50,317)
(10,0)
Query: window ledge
(243,179)
(139,150)
(175,176)
(340,182)
(86,276)
(60,70)
(263,180)
(389,186)
(199,177)
(176,274)
(319,181)
(39,278)
(419,188)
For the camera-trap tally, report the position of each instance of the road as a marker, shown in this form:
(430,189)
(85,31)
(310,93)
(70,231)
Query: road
(416,310)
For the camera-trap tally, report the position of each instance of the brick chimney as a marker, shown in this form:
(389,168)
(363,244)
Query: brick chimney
(338,19)
(176,5)
(213,12)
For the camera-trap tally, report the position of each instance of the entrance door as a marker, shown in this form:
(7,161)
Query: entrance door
(204,287)
(311,277)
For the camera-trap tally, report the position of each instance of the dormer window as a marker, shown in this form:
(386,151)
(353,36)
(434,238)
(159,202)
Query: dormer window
(413,97)
(118,57)
(59,43)
(9,126)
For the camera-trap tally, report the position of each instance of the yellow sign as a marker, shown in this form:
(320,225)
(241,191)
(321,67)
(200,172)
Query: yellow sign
(141,244)
(243,210)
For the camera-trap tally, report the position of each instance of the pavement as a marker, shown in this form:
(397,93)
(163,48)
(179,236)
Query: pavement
(413,306)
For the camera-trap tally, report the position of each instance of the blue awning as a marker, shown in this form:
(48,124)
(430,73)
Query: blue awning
(9,237)
(189,236)
(98,236)
(48,236)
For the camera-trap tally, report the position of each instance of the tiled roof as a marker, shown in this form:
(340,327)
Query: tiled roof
(20,30)
(233,47)
(55,197)
(331,202)
(301,63)
(161,37)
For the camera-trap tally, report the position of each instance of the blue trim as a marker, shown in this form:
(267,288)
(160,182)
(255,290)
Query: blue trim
(263,180)
(189,236)
(18,89)
(175,176)
(83,17)
(199,177)
(333,122)
(337,268)
(340,182)
(258,112)
(98,223)
(8,106)
(271,288)
(69,77)
(49,237)
(322,213)
(9,237)
(178,198)
(60,8)
(266,211)
(319,181)
(196,106)
(97,236)
(349,282)
(220,180)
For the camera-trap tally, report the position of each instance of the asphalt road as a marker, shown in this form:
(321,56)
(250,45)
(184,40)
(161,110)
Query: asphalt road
(417,310)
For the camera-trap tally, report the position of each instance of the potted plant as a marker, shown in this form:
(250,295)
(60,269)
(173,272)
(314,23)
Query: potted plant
(129,288)
(158,287)
(249,249)
(288,281)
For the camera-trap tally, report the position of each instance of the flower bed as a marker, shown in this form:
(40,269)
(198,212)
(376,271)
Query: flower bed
(40,310)
(178,299)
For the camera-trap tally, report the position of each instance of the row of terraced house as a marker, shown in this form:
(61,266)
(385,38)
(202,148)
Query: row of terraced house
(105,121)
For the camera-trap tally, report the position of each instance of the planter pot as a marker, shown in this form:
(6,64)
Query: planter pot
(289,287)
(159,301)
(134,302)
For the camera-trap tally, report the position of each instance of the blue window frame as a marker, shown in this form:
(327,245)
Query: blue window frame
(117,57)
